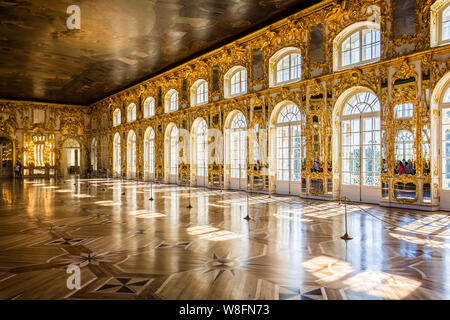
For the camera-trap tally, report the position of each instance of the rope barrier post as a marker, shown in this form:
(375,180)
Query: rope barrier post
(151,190)
(248,217)
(189,188)
(346,236)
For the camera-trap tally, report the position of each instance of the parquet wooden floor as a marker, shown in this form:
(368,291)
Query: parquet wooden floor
(129,247)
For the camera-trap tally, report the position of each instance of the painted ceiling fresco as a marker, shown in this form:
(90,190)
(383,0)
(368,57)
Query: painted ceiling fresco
(119,44)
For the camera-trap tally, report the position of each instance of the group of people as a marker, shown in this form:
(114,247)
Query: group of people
(404,167)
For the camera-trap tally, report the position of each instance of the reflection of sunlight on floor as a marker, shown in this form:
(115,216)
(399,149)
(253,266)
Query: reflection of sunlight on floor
(218,205)
(323,214)
(83,196)
(427,225)
(327,269)
(197,230)
(221,236)
(420,241)
(150,215)
(212,233)
(64,190)
(382,284)
(146,214)
(292,218)
(50,187)
(108,203)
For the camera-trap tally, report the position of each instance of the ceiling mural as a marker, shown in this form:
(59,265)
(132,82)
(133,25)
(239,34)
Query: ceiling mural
(119,43)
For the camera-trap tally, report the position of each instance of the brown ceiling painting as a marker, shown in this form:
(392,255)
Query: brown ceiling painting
(120,43)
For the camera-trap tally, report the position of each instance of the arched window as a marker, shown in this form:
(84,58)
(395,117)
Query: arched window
(238,145)
(235,82)
(116,117)
(94,154)
(403,110)
(174,136)
(171,100)
(285,66)
(131,154)
(404,142)
(199,93)
(446,24)
(117,155)
(149,151)
(131,112)
(446,98)
(201,141)
(360,141)
(357,45)
(440,23)
(149,107)
(288,144)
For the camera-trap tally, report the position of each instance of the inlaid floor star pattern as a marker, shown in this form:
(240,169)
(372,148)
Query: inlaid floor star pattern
(131,248)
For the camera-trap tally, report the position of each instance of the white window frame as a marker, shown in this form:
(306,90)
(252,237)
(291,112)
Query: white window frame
(238,146)
(445,124)
(363,106)
(438,9)
(230,80)
(149,150)
(131,152)
(288,133)
(201,142)
(131,112)
(345,34)
(149,107)
(117,117)
(173,140)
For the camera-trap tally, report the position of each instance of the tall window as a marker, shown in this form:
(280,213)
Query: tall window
(404,142)
(238,145)
(360,140)
(149,107)
(131,112)
(403,110)
(149,151)
(289,144)
(116,117)
(172,101)
(117,155)
(361,46)
(174,151)
(445,138)
(202,149)
(94,154)
(446,24)
(131,152)
(358,44)
(446,96)
(239,82)
(289,68)
(199,93)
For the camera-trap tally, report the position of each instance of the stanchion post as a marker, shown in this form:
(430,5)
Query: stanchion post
(247,217)
(346,236)
(189,188)
(151,190)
